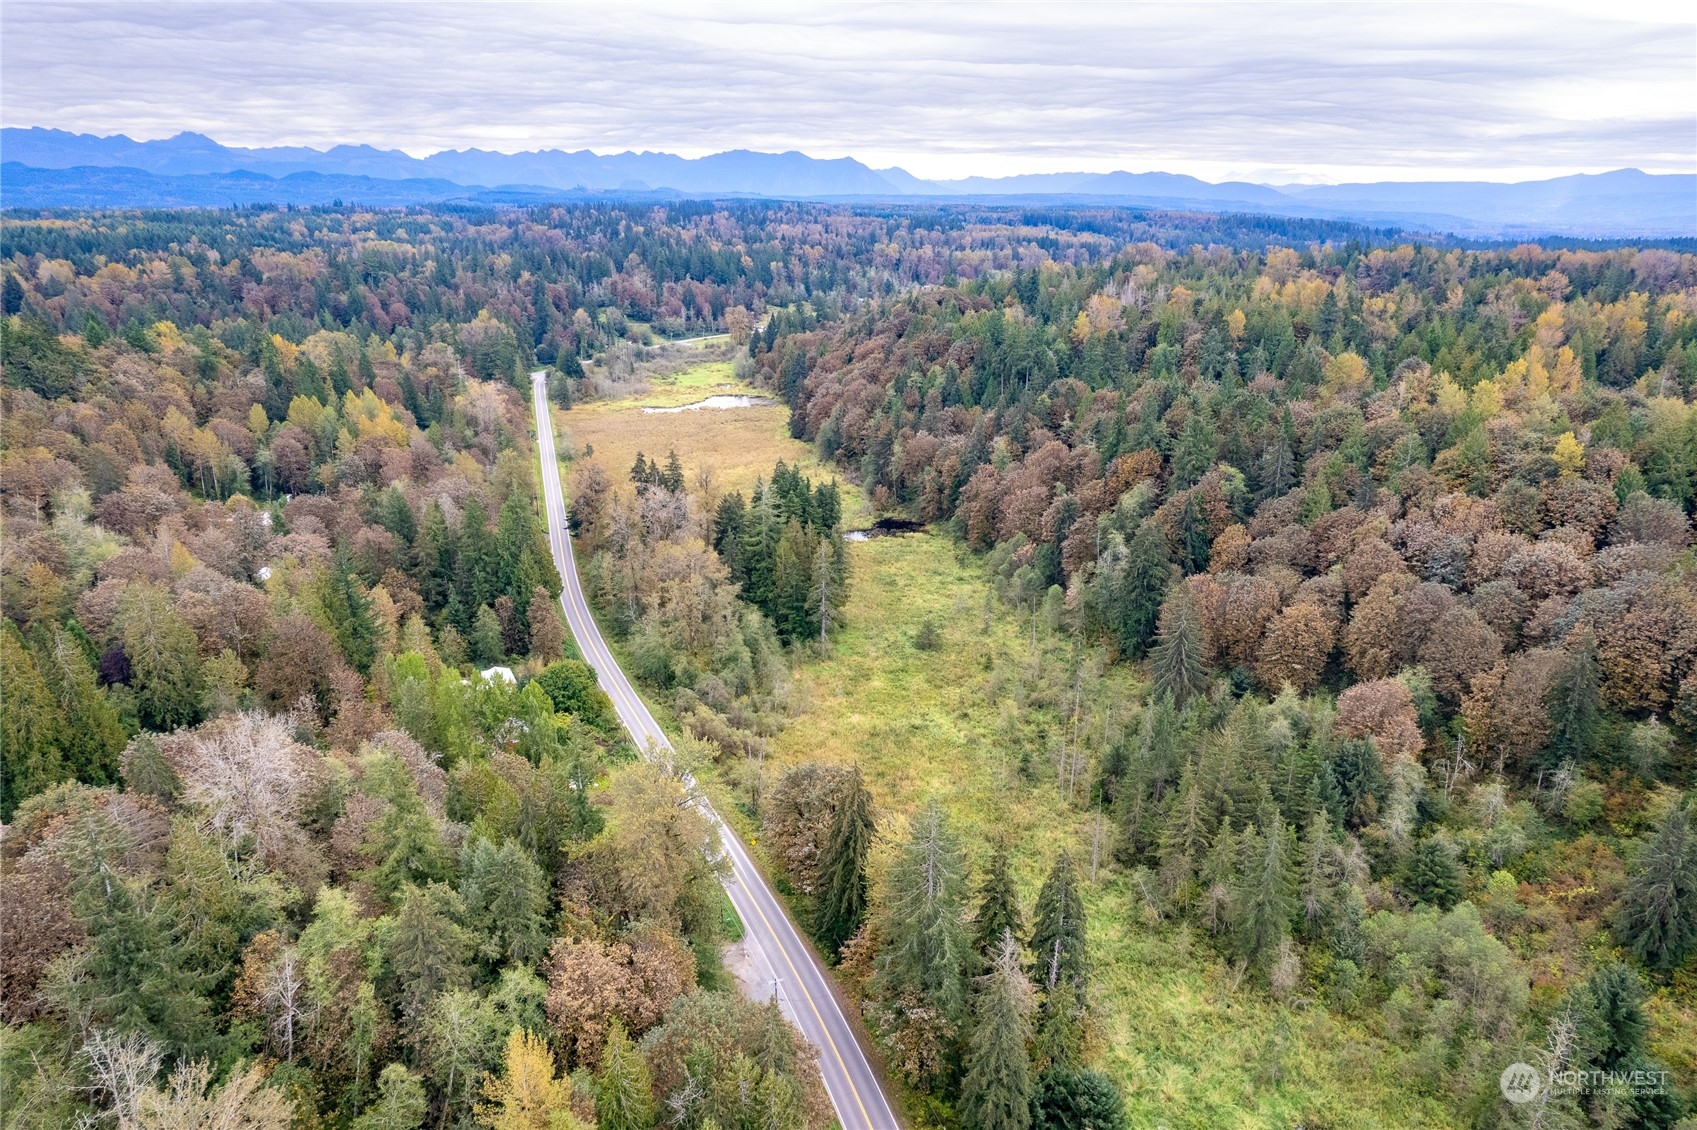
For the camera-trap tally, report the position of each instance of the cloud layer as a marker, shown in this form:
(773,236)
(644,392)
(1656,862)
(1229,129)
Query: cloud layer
(1260,91)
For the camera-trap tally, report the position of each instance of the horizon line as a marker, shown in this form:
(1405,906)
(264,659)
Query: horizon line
(1276,180)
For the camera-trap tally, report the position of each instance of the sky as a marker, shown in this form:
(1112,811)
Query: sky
(1270,92)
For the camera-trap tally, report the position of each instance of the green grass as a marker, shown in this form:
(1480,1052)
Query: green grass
(1186,1049)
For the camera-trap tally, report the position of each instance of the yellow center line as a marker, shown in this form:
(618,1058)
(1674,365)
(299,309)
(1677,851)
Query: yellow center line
(824,1029)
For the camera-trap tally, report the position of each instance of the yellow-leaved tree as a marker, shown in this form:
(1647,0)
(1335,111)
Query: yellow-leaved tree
(1569,454)
(528,1095)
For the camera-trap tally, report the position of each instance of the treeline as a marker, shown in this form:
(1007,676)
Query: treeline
(1401,539)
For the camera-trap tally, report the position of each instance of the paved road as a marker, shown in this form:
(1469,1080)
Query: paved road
(778,950)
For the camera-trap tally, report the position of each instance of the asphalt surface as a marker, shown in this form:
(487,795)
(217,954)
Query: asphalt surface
(786,961)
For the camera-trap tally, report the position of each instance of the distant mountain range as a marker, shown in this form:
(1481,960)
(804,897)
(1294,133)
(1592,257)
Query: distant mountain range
(52,168)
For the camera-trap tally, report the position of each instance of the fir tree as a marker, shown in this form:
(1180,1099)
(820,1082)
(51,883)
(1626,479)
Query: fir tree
(623,1090)
(1061,964)
(506,897)
(998,905)
(1195,540)
(1176,661)
(1142,587)
(164,658)
(427,948)
(1573,705)
(996,1091)
(1265,896)
(347,609)
(1198,445)
(842,867)
(928,948)
(31,728)
(433,559)
(93,735)
(485,638)
(1658,911)
(1432,875)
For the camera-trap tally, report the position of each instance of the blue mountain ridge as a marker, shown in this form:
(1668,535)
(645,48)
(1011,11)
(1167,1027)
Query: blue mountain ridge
(54,168)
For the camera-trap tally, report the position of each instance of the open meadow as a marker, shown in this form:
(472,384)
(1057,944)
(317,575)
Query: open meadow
(737,445)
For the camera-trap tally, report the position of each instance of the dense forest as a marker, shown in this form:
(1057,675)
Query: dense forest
(1400,537)
(314,817)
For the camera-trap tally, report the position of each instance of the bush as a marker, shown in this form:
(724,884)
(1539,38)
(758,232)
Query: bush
(571,686)
(929,637)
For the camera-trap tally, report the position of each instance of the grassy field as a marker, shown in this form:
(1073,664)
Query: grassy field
(1187,1051)
(738,444)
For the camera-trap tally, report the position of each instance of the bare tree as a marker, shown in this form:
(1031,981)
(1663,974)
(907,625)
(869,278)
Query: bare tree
(249,774)
(122,1069)
(285,1001)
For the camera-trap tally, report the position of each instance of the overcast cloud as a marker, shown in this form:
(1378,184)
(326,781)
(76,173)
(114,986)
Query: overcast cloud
(1268,92)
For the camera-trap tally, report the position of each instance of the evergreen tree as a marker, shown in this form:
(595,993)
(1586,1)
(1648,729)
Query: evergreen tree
(506,898)
(1198,446)
(133,976)
(1195,536)
(1061,964)
(730,527)
(164,658)
(928,949)
(1143,585)
(146,771)
(394,513)
(433,557)
(1265,896)
(1609,1008)
(998,905)
(347,609)
(1176,661)
(842,867)
(1432,875)
(791,583)
(996,1091)
(1658,911)
(1076,1099)
(427,948)
(32,731)
(93,735)
(484,640)
(1573,705)
(478,567)
(623,1090)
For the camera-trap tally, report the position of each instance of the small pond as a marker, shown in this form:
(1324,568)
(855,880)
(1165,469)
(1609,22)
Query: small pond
(722,401)
(884,528)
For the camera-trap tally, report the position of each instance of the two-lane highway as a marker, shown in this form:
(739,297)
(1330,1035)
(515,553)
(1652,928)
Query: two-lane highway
(773,941)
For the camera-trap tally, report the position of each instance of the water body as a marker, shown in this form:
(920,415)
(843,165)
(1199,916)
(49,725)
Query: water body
(885,528)
(723,401)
